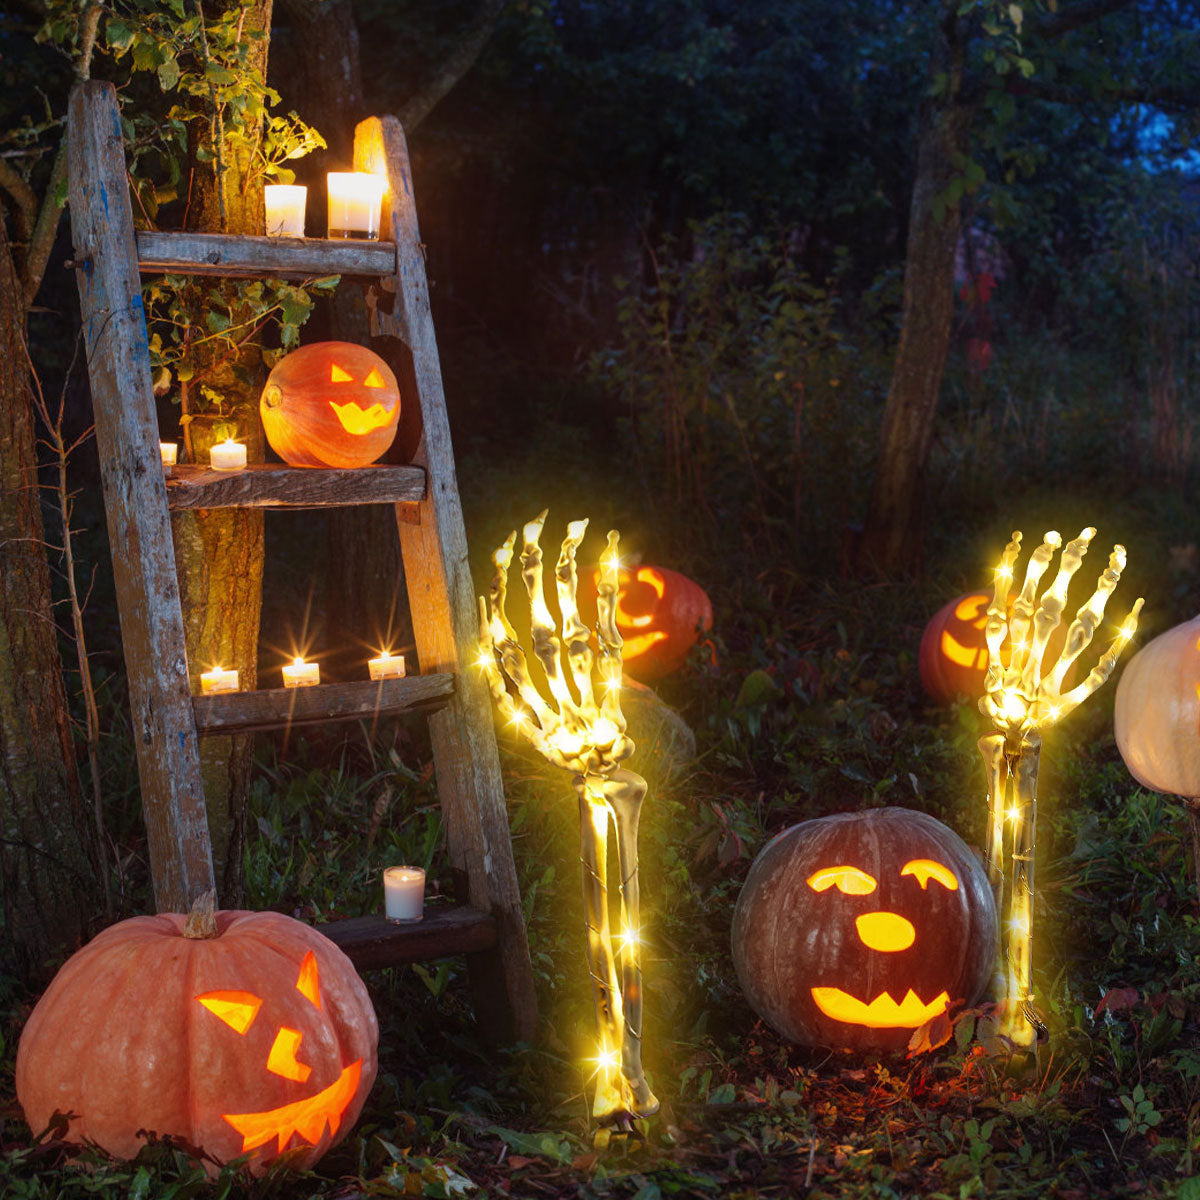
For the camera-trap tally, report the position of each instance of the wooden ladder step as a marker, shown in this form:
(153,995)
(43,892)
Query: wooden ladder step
(261,257)
(273,485)
(445,930)
(287,708)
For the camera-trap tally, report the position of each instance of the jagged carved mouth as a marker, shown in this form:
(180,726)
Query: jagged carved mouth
(308,1117)
(881,1013)
(357,420)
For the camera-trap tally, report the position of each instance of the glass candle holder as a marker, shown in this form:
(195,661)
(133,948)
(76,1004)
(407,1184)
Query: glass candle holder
(386,666)
(284,204)
(403,893)
(218,680)
(227,456)
(354,203)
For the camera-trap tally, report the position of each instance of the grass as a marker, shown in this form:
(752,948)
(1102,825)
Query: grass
(806,702)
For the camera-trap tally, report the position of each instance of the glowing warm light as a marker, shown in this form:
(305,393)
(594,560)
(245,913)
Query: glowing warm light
(386,666)
(309,983)
(849,880)
(886,931)
(282,1059)
(925,869)
(337,375)
(354,203)
(307,1118)
(581,729)
(883,1012)
(227,456)
(301,674)
(359,421)
(236,1009)
(1012,753)
(218,680)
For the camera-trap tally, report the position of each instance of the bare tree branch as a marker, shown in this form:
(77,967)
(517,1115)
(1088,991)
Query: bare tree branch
(454,66)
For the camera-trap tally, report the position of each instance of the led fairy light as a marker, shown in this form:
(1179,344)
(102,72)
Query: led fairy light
(585,735)
(1021,699)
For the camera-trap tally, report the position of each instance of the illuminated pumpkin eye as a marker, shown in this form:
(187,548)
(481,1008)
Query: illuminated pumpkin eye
(972,609)
(236,1009)
(653,578)
(337,375)
(926,869)
(309,984)
(849,880)
(282,1059)
(374,380)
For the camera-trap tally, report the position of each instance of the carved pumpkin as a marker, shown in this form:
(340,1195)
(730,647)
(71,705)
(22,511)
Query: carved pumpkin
(953,656)
(660,615)
(1157,712)
(852,930)
(251,1035)
(330,404)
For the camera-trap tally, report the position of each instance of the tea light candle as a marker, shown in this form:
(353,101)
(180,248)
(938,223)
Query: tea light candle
(218,680)
(301,673)
(169,451)
(284,203)
(403,893)
(354,202)
(387,666)
(227,456)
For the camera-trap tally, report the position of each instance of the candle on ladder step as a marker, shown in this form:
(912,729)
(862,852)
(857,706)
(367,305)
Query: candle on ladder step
(403,893)
(169,453)
(354,203)
(301,674)
(387,666)
(218,680)
(284,205)
(227,456)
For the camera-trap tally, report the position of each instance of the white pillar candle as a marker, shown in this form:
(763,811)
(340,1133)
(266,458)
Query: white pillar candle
(218,680)
(301,673)
(387,666)
(354,202)
(169,451)
(227,456)
(403,893)
(284,205)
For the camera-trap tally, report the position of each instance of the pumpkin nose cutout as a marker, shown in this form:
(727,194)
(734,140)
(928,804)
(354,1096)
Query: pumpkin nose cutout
(885,931)
(282,1059)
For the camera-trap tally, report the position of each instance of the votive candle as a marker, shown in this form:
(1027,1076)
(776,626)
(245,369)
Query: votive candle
(284,204)
(387,666)
(403,893)
(227,456)
(301,674)
(218,680)
(354,202)
(169,453)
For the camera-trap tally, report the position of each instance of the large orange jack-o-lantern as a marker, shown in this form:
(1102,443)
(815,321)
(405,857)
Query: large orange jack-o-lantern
(330,404)
(953,657)
(255,1037)
(852,930)
(660,615)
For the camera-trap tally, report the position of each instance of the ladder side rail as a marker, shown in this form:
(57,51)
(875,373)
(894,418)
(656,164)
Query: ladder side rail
(135,500)
(444,616)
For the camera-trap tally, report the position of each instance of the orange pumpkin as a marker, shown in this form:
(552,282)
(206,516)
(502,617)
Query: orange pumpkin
(330,404)
(252,1035)
(855,929)
(1157,712)
(660,615)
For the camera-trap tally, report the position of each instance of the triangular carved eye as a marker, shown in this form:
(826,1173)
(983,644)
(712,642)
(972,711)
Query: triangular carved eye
(374,380)
(309,983)
(337,375)
(236,1009)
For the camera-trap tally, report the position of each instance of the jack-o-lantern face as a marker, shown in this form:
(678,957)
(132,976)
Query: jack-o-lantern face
(855,929)
(258,1038)
(308,1117)
(330,404)
(659,614)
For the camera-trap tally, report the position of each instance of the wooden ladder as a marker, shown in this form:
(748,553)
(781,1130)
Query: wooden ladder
(167,719)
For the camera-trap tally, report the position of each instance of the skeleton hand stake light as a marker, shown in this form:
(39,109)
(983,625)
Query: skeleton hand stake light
(587,738)
(1021,698)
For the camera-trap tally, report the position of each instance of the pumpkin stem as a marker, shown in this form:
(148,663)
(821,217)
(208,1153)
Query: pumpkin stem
(272,395)
(202,921)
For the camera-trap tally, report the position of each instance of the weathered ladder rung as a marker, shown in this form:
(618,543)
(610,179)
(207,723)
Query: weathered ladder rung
(258,257)
(287,708)
(272,485)
(445,930)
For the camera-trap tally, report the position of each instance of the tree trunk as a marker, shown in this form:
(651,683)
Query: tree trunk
(219,552)
(890,539)
(49,860)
